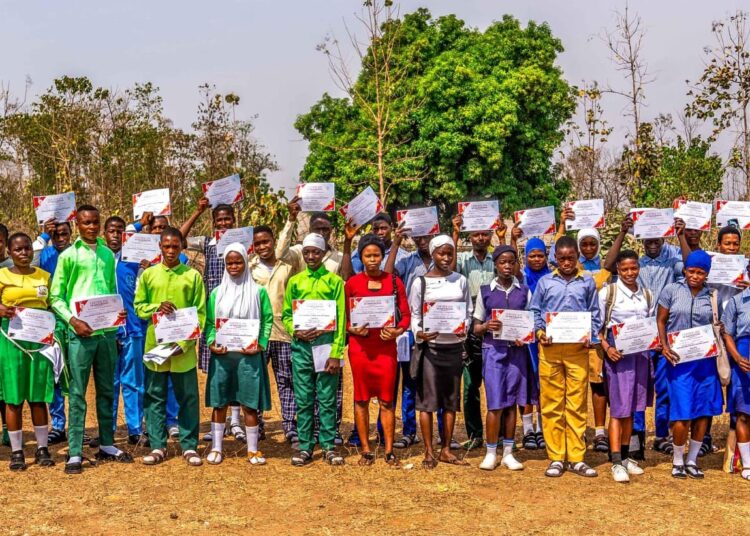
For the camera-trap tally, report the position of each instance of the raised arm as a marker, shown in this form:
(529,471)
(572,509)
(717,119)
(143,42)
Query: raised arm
(625,226)
(398,238)
(186,227)
(347,270)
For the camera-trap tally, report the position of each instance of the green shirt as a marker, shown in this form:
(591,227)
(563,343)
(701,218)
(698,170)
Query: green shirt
(266,318)
(318,285)
(182,286)
(82,272)
(477,273)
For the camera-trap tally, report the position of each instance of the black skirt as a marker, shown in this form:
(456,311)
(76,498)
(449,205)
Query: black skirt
(439,382)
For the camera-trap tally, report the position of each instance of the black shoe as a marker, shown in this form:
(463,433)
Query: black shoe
(91,442)
(693,472)
(17,461)
(43,458)
(123,457)
(302,458)
(142,439)
(56,436)
(601,444)
(73,468)
(678,471)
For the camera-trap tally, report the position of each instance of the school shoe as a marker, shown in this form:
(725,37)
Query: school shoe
(43,458)
(693,472)
(104,457)
(17,461)
(510,462)
(56,436)
(302,458)
(620,473)
(489,463)
(632,467)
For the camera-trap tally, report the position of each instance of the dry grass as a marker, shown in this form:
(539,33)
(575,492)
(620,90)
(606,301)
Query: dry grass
(235,498)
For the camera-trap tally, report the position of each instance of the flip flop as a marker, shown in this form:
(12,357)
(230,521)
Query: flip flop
(454,461)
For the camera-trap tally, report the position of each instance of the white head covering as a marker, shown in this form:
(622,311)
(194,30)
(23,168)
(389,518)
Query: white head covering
(314,240)
(589,232)
(237,297)
(441,240)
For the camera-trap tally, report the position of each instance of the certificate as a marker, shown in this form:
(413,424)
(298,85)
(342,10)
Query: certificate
(479,215)
(568,327)
(695,215)
(517,325)
(635,336)
(726,211)
(362,208)
(321,354)
(536,221)
(237,334)
(137,247)
(226,237)
(32,325)
(182,325)
(154,201)
(373,312)
(588,213)
(419,221)
(60,207)
(100,312)
(444,317)
(727,269)
(314,314)
(226,191)
(652,222)
(694,343)
(316,196)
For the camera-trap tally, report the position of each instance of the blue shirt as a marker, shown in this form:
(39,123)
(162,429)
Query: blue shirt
(359,267)
(48,259)
(661,271)
(127,277)
(556,294)
(736,315)
(411,267)
(685,310)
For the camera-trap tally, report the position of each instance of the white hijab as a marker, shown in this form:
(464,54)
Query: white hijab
(237,297)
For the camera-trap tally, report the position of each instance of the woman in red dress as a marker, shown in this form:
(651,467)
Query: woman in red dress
(372,350)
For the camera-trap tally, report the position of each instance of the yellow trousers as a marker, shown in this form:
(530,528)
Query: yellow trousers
(563,397)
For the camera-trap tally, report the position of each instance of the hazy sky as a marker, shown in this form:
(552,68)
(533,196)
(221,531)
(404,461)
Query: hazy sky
(264,50)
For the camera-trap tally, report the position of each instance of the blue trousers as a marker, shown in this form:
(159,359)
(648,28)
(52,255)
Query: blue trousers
(57,409)
(129,375)
(661,414)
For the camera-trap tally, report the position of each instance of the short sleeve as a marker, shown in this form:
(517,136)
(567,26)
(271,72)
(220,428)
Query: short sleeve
(666,297)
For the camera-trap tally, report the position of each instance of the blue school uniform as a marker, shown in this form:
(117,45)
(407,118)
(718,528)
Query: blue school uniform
(736,320)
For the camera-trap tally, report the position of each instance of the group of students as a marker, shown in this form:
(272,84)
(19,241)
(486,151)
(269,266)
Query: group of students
(544,379)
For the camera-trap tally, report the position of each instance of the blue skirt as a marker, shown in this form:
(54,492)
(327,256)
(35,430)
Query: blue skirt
(508,380)
(738,390)
(694,390)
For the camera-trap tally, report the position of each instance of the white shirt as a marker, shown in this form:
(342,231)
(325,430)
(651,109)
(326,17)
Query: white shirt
(628,305)
(480,313)
(453,287)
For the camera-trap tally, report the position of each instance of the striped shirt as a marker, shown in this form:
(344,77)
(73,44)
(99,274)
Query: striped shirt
(411,267)
(685,310)
(736,315)
(477,272)
(659,272)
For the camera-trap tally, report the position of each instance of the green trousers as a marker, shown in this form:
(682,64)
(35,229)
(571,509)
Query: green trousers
(472,396)
(99,352)
(307,385)
(155,407)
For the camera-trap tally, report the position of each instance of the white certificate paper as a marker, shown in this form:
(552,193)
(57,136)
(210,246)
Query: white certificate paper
(444,317)
(695,215)
(61,207)
(372,311)
(694,343)
(226,237)
(182,325)
(32,325)
(652,222)
(321,354)
(419,221)
(314,314)
(588,213)
(100,312)
(727,269)
(517,325)
(154,201)
(137,247)
(733,210)
(479,215)
(568,327)
(237,334)
(223,191)
(316,196)
(635,336)
(362,208)
(536,221)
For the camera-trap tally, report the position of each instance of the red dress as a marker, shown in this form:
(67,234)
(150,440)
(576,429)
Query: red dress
(372,359)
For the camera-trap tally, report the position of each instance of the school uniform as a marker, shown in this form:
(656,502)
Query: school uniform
(736,319)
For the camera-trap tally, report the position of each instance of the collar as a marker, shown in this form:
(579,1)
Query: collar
(180,268)
(626,291)
(487,257)
(704,290)
(80,243)
(322,270)
(495,285)
(578,274)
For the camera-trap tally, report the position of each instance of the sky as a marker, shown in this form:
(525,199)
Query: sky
(264,51)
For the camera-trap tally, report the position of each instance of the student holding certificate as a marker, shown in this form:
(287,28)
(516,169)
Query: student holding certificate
(25,374)
(564,368)
(506,364)
(238,375)
(628,376)
(165,288)
(372,348)
(442,352)
(316,354)
(694,388)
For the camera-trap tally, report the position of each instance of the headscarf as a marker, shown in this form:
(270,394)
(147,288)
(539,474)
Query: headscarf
(440,241)
(237,297)
(314,240)
(595,264)
(371,240)
(532,277)
(503,249)
(699,259)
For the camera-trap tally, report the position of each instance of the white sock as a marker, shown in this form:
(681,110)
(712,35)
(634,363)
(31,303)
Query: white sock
(235,421)
(74,459)
(217,435)
(41,433)
(538,421)
(110,449)
(16,440)
(508,445)
(599,431)
(528,423)
(744,449)
(635,443)
(693,449)
(253,432)
(492,448)
(678,456)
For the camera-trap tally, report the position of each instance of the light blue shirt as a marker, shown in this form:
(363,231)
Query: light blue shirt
(411,267)
(358,266)
(685,310)
(661,271)
(736,315)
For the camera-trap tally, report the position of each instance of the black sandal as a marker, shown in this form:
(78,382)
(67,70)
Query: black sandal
(367,458)
(56,436)
(104,457)
(693,472)
(302,458)
(17,461)
(391,460)
(678,471)
(529,441)
(331,457)
(43,458)
(405,442)
(601,444)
